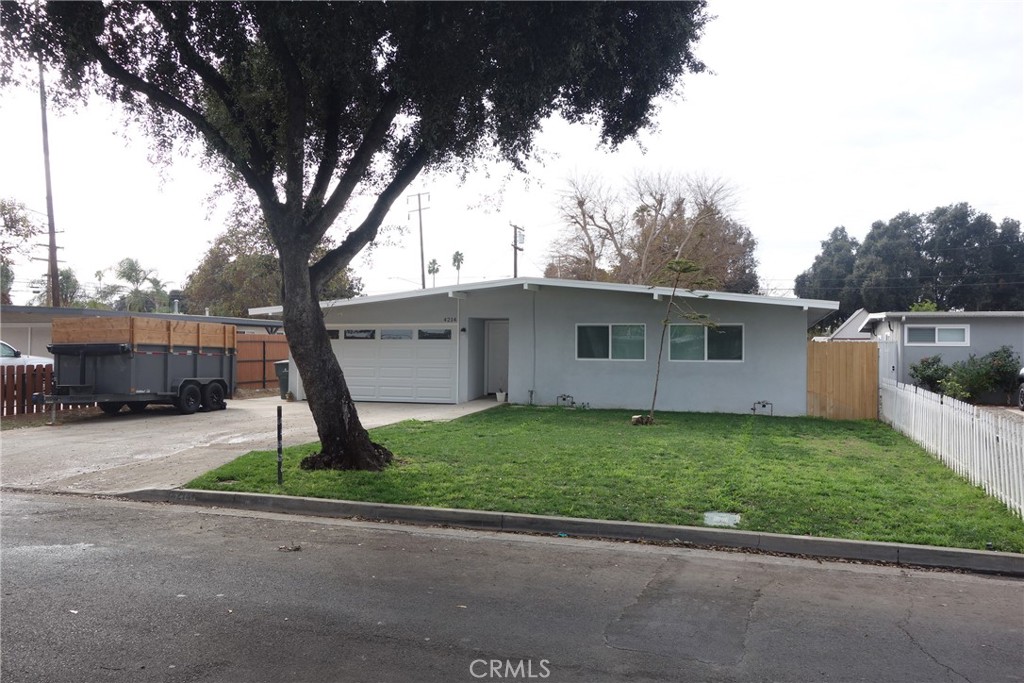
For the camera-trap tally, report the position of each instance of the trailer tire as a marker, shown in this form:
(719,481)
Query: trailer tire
(189,399)
(213,397)
(137,406)
(111,407)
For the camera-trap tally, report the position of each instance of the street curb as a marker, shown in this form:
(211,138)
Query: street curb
(986,562)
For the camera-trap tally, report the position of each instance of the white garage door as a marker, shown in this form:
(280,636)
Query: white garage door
(414,364)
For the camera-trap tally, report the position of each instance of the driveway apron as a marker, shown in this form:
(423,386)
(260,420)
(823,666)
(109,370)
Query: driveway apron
(160,448)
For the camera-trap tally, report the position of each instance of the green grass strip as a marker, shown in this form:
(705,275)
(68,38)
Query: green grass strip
(853,480)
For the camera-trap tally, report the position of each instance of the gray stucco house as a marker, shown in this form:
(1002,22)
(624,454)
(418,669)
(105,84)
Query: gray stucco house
(542,340)
(953,335)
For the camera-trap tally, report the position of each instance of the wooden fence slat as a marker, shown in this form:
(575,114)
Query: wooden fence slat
(842,380)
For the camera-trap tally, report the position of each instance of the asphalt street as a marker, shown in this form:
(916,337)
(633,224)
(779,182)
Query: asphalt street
(96,589)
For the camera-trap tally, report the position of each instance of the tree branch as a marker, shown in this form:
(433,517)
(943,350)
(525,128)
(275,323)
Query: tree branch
(175,27)
(339,257)
(295,117)
(357,165)
(264,191)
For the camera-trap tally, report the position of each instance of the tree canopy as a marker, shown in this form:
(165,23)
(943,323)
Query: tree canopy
(632,236)
(308,104)
(952,256)
(240,271)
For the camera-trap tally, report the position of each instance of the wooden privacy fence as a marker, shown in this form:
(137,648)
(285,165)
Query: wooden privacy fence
(982,447)
(18,383)
(842,380)
(257,354)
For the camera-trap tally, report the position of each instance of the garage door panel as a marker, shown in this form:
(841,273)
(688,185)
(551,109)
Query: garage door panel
(354,372)
(441,373)
(396,393)
(396,351)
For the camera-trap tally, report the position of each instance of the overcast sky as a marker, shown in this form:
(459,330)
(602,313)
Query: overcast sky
(819,113)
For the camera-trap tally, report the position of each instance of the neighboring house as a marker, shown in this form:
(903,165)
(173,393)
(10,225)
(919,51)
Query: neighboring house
(545,340)
(850,329)
(953,335)
(27,328)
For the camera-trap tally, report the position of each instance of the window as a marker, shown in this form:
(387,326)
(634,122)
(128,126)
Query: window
(395,334)
(697,342)
(360,334)
(611,342)
(440,333)
(938,335)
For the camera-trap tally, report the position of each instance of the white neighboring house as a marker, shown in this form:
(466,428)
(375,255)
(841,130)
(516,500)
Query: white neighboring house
(548,342)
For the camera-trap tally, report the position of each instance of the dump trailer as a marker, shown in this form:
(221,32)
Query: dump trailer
(136,361)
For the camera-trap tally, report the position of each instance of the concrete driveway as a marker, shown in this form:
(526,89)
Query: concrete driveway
(162,449)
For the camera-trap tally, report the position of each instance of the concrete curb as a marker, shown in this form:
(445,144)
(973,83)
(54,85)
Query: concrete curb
(1010,564)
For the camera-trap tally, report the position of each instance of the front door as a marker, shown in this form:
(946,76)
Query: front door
(496,358)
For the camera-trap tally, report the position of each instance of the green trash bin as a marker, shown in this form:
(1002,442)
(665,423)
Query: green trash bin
(281,369)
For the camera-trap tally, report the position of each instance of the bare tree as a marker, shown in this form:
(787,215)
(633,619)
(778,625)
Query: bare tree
(633,236)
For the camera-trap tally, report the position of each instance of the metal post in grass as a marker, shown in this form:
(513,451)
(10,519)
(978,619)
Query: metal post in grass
(280,476)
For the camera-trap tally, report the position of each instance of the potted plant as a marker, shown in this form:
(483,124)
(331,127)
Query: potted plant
(501,395)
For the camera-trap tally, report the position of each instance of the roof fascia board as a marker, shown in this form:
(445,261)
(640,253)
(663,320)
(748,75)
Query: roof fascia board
(534,284)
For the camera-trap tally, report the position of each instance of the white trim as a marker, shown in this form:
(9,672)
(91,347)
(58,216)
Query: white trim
(576,342)
(909,326)
(705,359)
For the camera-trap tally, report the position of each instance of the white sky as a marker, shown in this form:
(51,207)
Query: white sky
(819,113)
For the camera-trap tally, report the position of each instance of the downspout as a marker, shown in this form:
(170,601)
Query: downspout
(458,351)
(533,382)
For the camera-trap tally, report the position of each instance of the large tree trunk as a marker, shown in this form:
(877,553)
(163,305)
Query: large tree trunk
(343,441)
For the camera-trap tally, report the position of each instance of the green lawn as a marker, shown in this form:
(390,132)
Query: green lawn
(856,480)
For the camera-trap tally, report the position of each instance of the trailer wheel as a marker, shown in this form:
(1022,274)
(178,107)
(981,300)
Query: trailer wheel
(189,399)
(213,397)
(111,407)
(137,406)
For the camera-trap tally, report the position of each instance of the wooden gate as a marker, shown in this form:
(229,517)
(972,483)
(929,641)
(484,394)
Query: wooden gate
(257,354)
(842,380)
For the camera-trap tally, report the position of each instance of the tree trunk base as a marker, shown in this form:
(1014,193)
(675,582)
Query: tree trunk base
(375,461)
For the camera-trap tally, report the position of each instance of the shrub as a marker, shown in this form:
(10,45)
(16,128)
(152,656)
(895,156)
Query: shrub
(1004,365)
(929,373)
(968,379)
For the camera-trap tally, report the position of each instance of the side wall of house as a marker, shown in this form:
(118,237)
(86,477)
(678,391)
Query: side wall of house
(774,365)
(986,335)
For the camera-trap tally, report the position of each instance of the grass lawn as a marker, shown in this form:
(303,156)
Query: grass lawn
(856,480)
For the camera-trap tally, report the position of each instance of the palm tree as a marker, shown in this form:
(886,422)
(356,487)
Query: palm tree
(457,259)
(432,268)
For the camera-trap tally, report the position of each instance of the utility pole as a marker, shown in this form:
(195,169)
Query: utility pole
(517,240)
(54,273)
(420,209)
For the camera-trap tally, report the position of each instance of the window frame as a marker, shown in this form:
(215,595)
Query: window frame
(935,326)
(705,359)
(608,327)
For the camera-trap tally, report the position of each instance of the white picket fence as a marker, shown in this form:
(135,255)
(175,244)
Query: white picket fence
(983,447)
